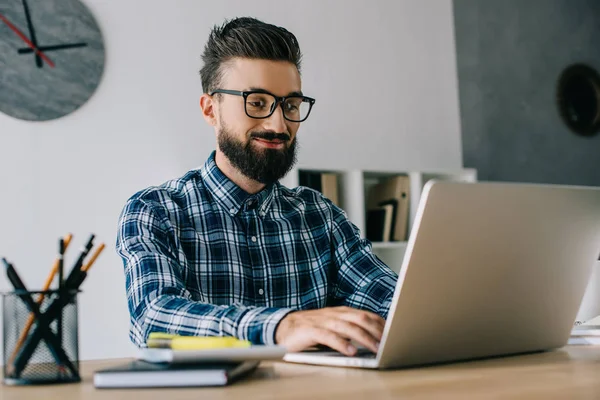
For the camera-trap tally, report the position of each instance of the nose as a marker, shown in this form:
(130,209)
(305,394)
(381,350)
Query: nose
(276,122)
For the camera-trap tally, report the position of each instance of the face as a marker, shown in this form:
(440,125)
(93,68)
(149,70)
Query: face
(262,149)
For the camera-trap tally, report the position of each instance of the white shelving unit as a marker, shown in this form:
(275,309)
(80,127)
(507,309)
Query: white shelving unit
(354,185)
(389,245)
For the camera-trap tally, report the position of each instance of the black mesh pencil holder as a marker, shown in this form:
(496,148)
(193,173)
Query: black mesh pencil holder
(40,337)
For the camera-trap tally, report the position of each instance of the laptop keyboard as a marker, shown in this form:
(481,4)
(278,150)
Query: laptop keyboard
(364,353)
(326,351)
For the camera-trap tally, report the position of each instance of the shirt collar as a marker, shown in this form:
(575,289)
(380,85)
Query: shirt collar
(229,195)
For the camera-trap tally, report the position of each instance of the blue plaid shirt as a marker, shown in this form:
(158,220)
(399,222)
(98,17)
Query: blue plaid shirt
(203,257)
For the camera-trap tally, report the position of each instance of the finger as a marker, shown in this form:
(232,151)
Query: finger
(353,332)
(367,322)
(331,339)
(297,343)
(376,318)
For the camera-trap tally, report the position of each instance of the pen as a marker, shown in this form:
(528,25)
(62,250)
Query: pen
(39,301)
(61,292)
(77,267)
(61,253)
(13,277)
(78,280)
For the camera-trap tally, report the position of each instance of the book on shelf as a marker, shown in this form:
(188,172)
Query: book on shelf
(324,182)
(390,228)
(379,223)
(142,374)
(393,191)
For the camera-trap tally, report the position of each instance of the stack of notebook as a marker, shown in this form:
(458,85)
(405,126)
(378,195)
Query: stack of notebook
(187,361)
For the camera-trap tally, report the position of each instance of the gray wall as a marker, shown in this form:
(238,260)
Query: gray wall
(510,54)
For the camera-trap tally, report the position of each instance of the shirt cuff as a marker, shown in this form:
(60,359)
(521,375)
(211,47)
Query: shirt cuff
(259,325)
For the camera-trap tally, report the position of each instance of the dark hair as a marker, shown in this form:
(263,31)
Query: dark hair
(247,38)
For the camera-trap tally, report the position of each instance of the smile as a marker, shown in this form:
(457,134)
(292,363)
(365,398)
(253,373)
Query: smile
(271,144)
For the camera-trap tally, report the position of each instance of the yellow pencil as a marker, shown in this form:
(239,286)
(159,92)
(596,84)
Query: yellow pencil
(88,265)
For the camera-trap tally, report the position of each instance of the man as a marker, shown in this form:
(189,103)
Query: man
(226,250)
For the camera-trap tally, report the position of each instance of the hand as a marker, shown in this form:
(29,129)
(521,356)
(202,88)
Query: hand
(334,327)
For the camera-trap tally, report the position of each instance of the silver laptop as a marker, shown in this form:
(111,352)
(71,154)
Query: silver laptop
(490,269)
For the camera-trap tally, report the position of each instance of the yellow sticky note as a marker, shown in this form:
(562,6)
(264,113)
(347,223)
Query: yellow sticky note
(161,335)
(201,343)
(176,342)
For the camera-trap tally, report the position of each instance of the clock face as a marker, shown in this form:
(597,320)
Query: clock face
(51,57)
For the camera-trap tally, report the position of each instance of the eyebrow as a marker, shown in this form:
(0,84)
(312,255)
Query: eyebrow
(257,89)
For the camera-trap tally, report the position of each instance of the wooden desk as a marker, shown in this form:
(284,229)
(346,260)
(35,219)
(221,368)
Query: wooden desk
(569,373)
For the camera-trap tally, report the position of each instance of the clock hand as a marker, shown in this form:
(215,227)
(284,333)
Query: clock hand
(28,50)
(38,59)
(24,38)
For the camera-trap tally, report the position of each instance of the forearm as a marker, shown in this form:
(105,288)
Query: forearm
(363,281)
(367,284)
(376,296)
(178,315)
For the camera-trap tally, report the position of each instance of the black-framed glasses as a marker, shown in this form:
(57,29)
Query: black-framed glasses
(261,104)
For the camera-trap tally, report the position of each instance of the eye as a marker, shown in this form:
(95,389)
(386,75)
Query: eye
(257,104)
(293,104)
(259,101)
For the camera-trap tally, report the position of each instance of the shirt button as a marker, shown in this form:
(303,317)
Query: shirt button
(254,239)
(261,292)
(232,211)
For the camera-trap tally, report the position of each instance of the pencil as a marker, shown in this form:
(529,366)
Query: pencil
(88,265)
(40,300)
(93,258)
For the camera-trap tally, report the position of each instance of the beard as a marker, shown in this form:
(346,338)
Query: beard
(260,164)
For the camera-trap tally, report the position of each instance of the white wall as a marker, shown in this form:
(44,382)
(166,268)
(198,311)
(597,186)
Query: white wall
(383,74)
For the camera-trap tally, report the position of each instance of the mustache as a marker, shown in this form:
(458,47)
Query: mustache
(284,137)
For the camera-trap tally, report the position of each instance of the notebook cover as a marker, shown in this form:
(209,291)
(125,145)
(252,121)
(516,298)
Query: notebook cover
(139,373)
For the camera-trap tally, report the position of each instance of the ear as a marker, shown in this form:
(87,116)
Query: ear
(207,104)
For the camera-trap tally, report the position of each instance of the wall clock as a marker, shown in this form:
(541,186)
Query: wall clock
(51,58)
